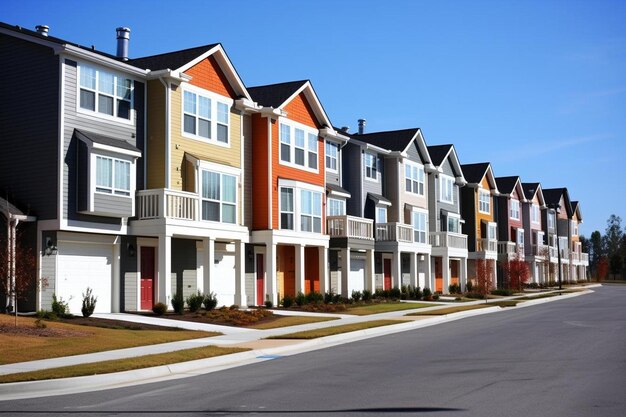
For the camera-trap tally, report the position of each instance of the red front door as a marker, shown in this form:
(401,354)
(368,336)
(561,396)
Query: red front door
(387,274)
(147,277)
(260,274)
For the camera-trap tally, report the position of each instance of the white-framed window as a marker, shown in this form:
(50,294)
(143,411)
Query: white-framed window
(113,176)
(300,207)
(520,237)
(484,201)
(492,231)
(446,189)
(372,165)
(538,236)
(381,214)
(219,197)
(414,178)
(420,226)
(298,146)
(534,213)
(551,220)
(206,116)
(335,207)
(105,93)
(453,224)
(332,156)
(514,212)
(574,228)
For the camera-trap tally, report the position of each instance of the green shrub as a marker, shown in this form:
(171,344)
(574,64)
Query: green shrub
(475,295)
(194,301)
(504,292)
(469,286)
(329,296)
(454,289)
(356,296)
(209,301)
(234,307)
(159,309)
(287,301)
(395,293)
(48,315)
(428,295)
(367,295)
(269,304)
(417,293)
(314,298)
(436,295)
(300,299)
(178,302)
(59,307)
(532,285)
(89,303)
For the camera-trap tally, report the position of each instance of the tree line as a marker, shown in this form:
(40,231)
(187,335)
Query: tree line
(607,252)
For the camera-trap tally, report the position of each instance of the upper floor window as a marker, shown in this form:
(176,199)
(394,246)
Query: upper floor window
(332,156)
(420,226)
(520,237)
(300,209)
(539,238)
(484,201)
(534,213)
(298,146)
(112,176)
(414,178)
(514,212)
(310,211)
(205,116)
(492,230)
(105,92)
(286,208)
(371,163)
(574,228)
(219,197)
(551,220)
(446,191)
(454,224)
(381,214)
(335,207)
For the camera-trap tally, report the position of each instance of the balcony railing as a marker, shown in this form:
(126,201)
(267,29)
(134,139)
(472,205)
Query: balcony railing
(553,251)
(394,232)
(487,245)
(584,258)
(159,203)
(350,226)
(575,257)
(508,248)
(448,239)
(540,250)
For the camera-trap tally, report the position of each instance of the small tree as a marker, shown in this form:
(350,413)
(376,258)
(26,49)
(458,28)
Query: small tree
(24,281)
(517,272)
(603,268)
(484,272)
(550,268)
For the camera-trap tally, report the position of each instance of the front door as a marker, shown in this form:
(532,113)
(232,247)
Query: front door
(147,277)
(260,281)
(387,274)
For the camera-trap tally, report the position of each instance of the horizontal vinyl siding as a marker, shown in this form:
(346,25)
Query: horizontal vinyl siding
(352,178)
(122,206)
(396,211)
(156,135)
(260,173)
(247,169)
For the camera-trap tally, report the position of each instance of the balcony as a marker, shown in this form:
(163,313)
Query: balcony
(584,258)
(487,245)
(541,250)
(164,203)
(575,257)
(509,248)
(350,227)
(448,240)
(394,232)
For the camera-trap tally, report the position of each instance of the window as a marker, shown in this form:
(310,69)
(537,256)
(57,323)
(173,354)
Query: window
(112,176)
(332,155)
(520,237)
(446,192)
(492,230)
(414,178)
(551,220)
(454,224)
(286,208)
(335,207)
(205,117)
(484,201)
(420,226)
(381,214)
(372,166)
(310,211)
(574,228)
(514,209)
(298,146)
(219,198)
(534,213)
(539,236)
(105,93)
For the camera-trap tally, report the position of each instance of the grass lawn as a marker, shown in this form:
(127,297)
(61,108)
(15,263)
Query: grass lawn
(285,321)
(29,342)
(329,331)
(367,309)
(450,310)
(120,365)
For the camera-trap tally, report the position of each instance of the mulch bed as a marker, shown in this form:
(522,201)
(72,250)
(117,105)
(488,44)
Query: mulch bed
(113,324)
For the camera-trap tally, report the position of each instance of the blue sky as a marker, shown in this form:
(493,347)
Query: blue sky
(537,88)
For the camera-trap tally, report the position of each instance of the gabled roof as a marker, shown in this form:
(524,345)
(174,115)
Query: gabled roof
(553,196)
(439,153)
(90,137)
(576,210)
(277,96)
(531,189)
(10,212)
(474,174)
(397,141)
(507,185)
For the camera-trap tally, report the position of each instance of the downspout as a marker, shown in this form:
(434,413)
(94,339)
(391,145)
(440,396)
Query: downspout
(243,170)
(269,172)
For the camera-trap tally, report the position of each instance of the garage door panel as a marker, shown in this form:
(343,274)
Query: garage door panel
(223,281)
(356,278)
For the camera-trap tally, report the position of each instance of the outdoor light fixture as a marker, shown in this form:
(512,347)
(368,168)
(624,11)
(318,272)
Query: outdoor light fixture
(51,248)
(131,249)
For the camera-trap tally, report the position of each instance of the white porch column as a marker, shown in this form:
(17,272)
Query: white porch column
(240,276)
(270,274)
(300,269)
(206,262)
(396,270)
(370,276)
(323,268)
(165,270)
(413,269)
(200,265)
(115,284)
(430,283)
(445,269)
(345,271)
(463,273)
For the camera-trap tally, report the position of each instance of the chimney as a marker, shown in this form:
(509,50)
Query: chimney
(362,126)
(123,36)
(42,29)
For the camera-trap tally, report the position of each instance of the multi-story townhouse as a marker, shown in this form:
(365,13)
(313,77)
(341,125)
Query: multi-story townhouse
(579,259)
(478,210)
(193,214)
(79,114)
(397,199)
(536,250)
(511,234)
(558,200)
(449,244)
(288,179)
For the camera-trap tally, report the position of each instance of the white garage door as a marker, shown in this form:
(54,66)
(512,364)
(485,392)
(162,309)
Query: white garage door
(223,281)
(356,279)
(83,265)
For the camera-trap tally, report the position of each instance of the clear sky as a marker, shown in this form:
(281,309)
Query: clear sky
(537,88)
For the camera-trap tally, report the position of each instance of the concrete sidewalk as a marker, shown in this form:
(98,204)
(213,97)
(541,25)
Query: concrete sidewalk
(262,349)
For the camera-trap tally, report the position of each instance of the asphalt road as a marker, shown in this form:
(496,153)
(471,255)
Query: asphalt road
(563,358)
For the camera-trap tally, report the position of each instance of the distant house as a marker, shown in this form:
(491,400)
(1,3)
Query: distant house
(511,235)
(536,249)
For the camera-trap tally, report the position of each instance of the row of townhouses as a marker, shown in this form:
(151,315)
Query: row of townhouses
(167,173)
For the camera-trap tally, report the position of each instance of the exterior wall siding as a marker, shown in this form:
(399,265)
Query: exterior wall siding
(184,266)
(353,178)
(113,204)
(247,169)
(481,218)
(155,155)
(260,174)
